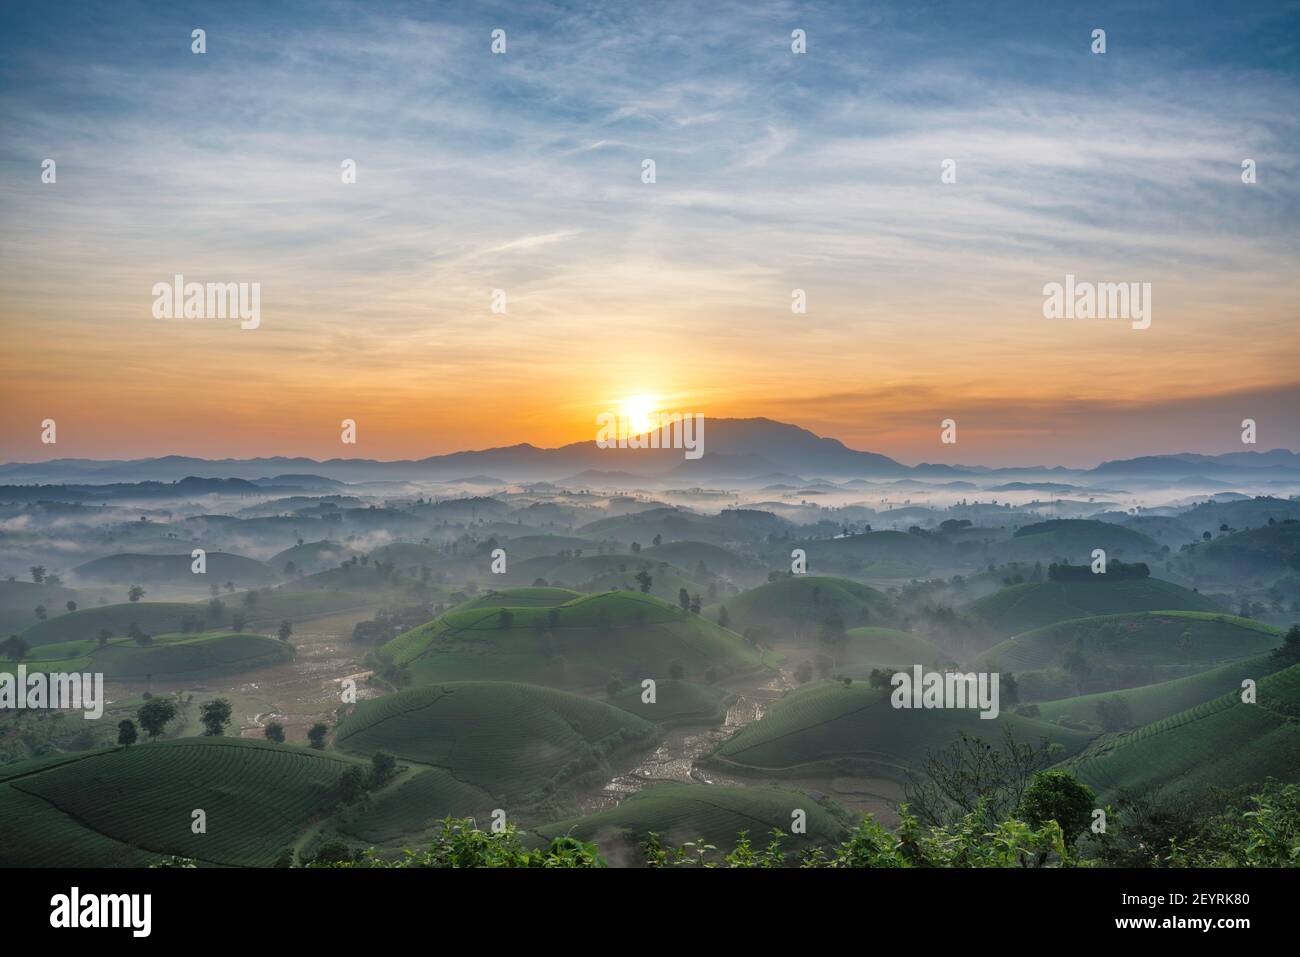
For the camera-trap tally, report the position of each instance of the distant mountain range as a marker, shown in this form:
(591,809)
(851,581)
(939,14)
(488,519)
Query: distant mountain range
(744,450)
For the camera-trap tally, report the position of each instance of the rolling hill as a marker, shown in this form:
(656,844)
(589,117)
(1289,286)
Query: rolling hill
(796,607)
(829,728)
(1032,605)
(207,653)
(516,742)
(130,806)
(676,702)
(174,571)
(1121,651)
(678,813)
(578,644)
(1133,707)
(1219,743)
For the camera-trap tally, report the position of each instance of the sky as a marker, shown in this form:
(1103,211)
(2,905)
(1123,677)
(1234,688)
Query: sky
(774,171)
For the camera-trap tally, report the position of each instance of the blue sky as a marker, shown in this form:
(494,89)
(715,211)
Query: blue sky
(774,172)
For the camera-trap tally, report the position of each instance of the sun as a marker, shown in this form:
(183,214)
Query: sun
(637,412)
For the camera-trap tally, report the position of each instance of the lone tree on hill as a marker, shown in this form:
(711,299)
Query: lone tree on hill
(154,715)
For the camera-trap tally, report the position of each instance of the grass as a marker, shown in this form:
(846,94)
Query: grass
(1148,703)
(515,742)
(422,797)
(578,644)
(1130,649)
(830,728)
(1032,605)
(686,812)
(189,654)
(676,702)
(1220,743)
(128,805)
(800,603)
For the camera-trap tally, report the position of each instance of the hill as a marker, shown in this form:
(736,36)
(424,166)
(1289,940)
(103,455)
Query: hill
(128,806)
(516,742)
(181,654)
(678,813)
(1133,707)
(800,604)
(1260,554)
(174,571)
(579,644)
(525,597)
(1035,604)
(829,728)
(676,702)
(1220,743)
(1073,539)
(19,601)
(1120,651)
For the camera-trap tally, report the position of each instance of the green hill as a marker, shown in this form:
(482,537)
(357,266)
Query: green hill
(604,572)
(1262,554)
(676,702)
(175,571)
(1121,651)
(421,798)
(515,742)
(528,597)
(687,812)
(128,806)
(1020,608)
(1133,707)
(828,728)
(1073,539)
(1220,743)
(19,601)
(715,558)
(187,654)
(578,644)
(868,648)
(159,618)
(798,605)
(310,557)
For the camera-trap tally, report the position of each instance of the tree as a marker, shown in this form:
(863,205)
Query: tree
(1057,796)
(1289,653)
(126,733)
(215,715)
(237,621)
(274,732)
(724,619)
(644,581)
(684,599)
(71,605)
(38,573)
(284,631)
(104,635)
(316,735)
(15,648)
(382,767)
(695,604)
(352,784)
(41,613)
(658,539)
(973,776)
(135,593)
(154,715)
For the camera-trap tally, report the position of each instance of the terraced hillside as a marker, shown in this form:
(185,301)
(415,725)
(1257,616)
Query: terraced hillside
(797,606)
(1032,605)
(127,806)
(1122,651)
(206,653)
(579,644)
(676,702)
(831,728)
(1220,743)
(1133,707)
(518,743)
(678,813)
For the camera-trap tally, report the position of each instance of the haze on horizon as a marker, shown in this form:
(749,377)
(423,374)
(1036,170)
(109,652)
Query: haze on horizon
(521,172)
